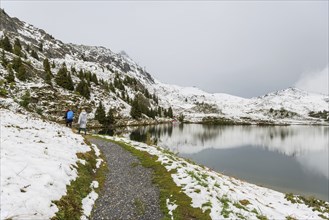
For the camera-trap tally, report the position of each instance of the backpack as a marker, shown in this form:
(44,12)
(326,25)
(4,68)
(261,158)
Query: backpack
(69,115)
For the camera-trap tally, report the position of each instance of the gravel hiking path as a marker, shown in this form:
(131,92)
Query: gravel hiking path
(128,191)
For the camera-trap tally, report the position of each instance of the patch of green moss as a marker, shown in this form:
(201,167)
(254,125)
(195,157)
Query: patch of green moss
(290,218)
(239,206)
(225,210)
(262,217)
(316,204)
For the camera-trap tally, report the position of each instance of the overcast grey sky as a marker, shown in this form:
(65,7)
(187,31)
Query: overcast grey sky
(244,48)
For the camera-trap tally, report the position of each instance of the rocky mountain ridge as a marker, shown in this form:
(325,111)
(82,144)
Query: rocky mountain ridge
(116,80)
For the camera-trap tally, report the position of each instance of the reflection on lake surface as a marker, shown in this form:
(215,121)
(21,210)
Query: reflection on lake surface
(285,158)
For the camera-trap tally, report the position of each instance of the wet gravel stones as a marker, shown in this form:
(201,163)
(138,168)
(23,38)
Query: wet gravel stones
(128,192)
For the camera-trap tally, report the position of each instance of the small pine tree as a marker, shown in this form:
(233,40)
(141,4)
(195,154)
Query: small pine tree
(112,87)
(21,74)
(46,65)
(88,76)
(17,62)
(11,76)
(165,113)
(123,96)
(5,44)
(159,112)
(94,79)
(40,46)
(106,87)
(81,74)
(155,98)
(4,61)
(73,70)
(100,113)
(83,89)
(53,65)
(63,79)
(151,113)
(17,47)
(34,55)
(48,78)
(135,111)
(26,99)
(170,113)
(28,48)
(109,117)
(181,118)
(70,82)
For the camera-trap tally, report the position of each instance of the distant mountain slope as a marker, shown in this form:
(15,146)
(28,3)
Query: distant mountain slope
(99,74)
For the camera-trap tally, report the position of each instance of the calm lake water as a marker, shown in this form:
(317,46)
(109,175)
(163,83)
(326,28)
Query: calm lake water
(285,158)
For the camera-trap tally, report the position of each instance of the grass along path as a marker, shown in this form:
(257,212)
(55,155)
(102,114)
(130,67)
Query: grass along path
(185,185)
(173,203)
(83,191)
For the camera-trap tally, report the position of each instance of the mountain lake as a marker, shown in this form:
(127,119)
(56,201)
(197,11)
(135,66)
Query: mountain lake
(289,159)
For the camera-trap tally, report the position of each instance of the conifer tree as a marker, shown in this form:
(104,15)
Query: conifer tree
(17,47)
(165,113)
(151,113)
(94,79)
(53,65)
(170,113)
(155,98)
(135,111)
(63,79)
(26,98)
(40,46)
(34,55)
(83,89)
(73,70)
(88,76)
(4,61)
(70,82)
(109,117)
(28,47)
(100,113)
(46,65)
(159,112)
(17,62)
(48,78)
(81,75)
(112,87)
(21,74)
(106,86)
(181,118)
(11,76)
(5,44)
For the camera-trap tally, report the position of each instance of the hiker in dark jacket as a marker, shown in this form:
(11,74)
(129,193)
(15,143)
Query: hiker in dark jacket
(69,114)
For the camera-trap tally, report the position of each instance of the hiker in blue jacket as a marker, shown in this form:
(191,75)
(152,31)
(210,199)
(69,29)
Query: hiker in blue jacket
(69,114)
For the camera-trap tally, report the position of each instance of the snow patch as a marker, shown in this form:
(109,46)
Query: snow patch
(37,159)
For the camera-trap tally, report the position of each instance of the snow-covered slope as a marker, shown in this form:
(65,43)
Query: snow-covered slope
(290,106)
(37,162)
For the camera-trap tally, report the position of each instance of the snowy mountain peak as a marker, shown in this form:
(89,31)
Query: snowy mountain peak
(115,79)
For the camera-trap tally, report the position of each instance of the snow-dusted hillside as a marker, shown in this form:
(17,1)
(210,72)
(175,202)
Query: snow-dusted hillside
(290,106)
(37,162)
(294,104)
